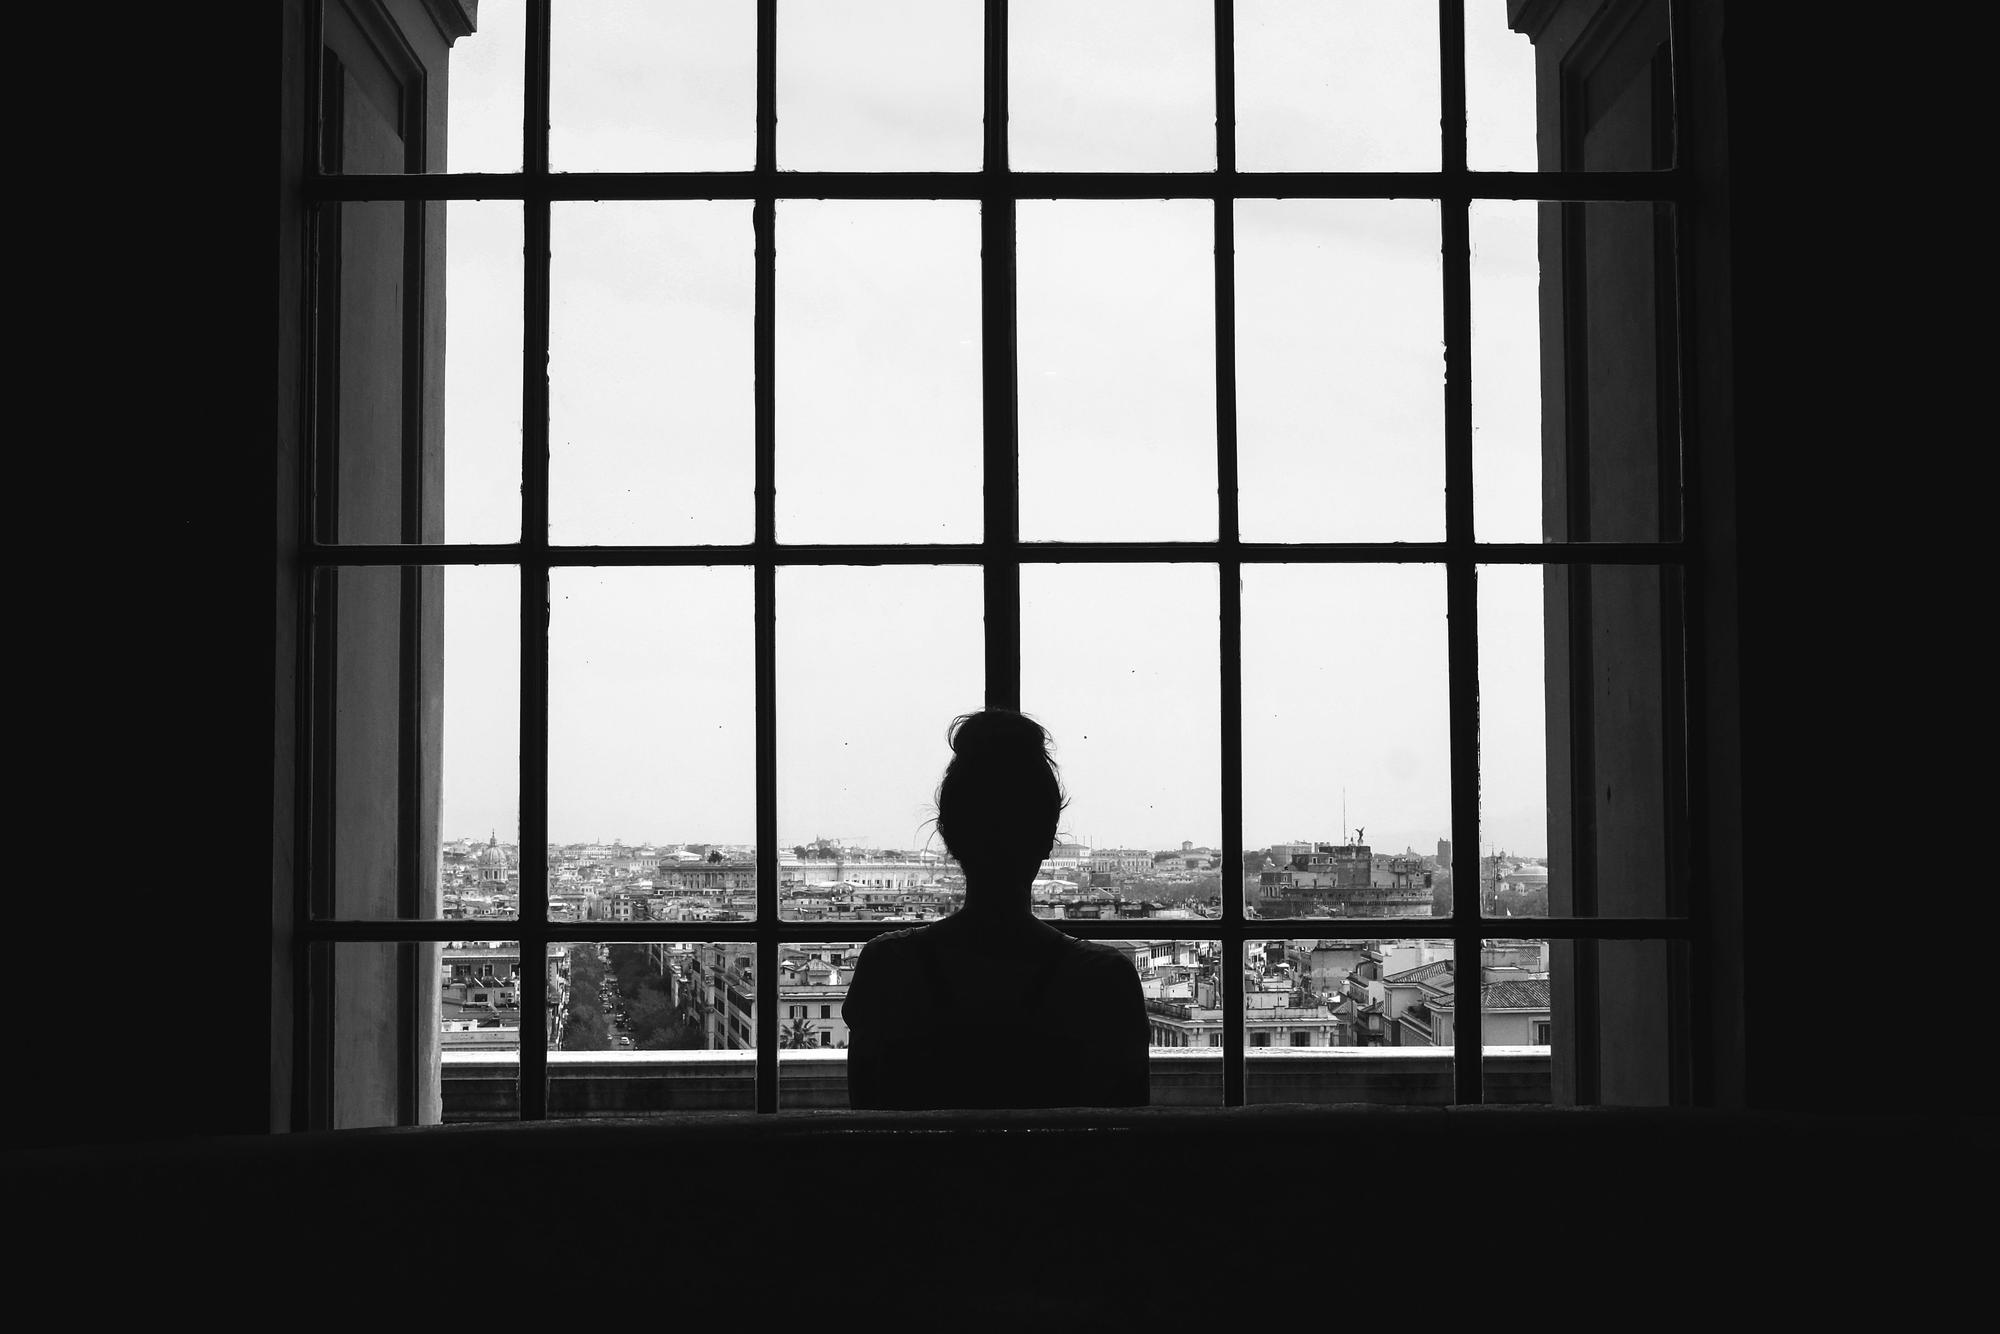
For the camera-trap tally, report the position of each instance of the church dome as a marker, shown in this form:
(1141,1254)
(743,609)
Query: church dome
(492,861)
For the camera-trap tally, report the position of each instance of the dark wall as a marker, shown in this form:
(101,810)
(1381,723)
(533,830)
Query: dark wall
(1861,686)
(141,910)
(150,288)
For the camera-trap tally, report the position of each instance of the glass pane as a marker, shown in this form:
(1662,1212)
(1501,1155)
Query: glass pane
(417,399)
(1344,86)
(479,1023)
(1346,730)
(652,743)
(1324,1021)
(1584,445)
(880,85)
(1179,979)
(1545,91)
(812,1027)
(1539,1045)
(1507,482)
(873,664)
(482,372)
(1135,723)
(1582,787)
(878,375)
(1111,85)
(416,756)
(483,99)
(651,406)
(411,94)
(1340,370)
(653,1026)
(653,85)
(1117,369)
(1500,110)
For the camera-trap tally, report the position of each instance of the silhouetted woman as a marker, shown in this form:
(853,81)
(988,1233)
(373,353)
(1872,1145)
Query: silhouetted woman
(992,1007)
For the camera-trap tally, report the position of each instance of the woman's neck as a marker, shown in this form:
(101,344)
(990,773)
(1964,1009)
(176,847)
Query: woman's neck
(997,898)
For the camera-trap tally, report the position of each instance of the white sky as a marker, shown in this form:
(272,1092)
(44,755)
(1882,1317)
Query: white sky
(1340,419)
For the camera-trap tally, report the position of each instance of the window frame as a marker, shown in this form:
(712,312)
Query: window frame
(1001,553)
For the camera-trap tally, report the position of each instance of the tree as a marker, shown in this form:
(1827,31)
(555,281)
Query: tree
(1441,894)
(1525,901)
(801,1032)
(714,857)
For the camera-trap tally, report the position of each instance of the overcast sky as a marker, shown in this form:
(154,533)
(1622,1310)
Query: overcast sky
(1340,419)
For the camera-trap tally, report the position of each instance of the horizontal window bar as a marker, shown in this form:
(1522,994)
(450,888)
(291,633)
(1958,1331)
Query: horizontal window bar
(1578,187)
(1109,928)
(973,553)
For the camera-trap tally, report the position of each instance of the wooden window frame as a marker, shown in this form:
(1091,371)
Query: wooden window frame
(1000,554)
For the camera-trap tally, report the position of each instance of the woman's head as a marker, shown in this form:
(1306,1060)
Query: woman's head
(1000,798)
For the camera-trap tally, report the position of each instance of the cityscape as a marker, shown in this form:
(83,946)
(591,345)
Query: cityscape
(687,996)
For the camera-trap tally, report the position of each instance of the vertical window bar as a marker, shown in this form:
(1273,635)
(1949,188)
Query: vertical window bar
(534,833)
(1229,563)
(411,856)
(764,354)
(1001,538)
(1462,604)
(312,1050)
(1703,1042)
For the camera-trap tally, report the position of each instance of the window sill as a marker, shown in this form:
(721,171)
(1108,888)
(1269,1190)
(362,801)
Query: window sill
(484,1086)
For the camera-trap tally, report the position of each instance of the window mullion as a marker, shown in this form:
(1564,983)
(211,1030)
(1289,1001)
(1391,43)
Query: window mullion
(1461,575)
(1000,466)
(1229,563)
(764,352)
(534,572)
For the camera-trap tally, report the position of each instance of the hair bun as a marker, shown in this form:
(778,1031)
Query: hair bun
(998,731)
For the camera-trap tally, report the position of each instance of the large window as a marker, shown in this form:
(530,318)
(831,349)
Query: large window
(1285,402)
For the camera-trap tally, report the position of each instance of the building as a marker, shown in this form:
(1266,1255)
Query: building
(1339,880)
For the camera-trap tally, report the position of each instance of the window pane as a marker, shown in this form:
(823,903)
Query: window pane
(653,1027)
(1119,663)
(399,95)
(880,85)
(1347,86)
(651,409)
(1500,106)
(812,1026)
(1582,801)
(1111,85)
(416,753)
(417,392)
(1340,370)
(1545,91)
(1346,739)
(878,376)
(1179,979)
(1507,484)
(653,85)
(873,664)
(652,742)
(1583,444)
(1585,1022)
(484,98)
(482,372)
(1335,1021)
(1117,370)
